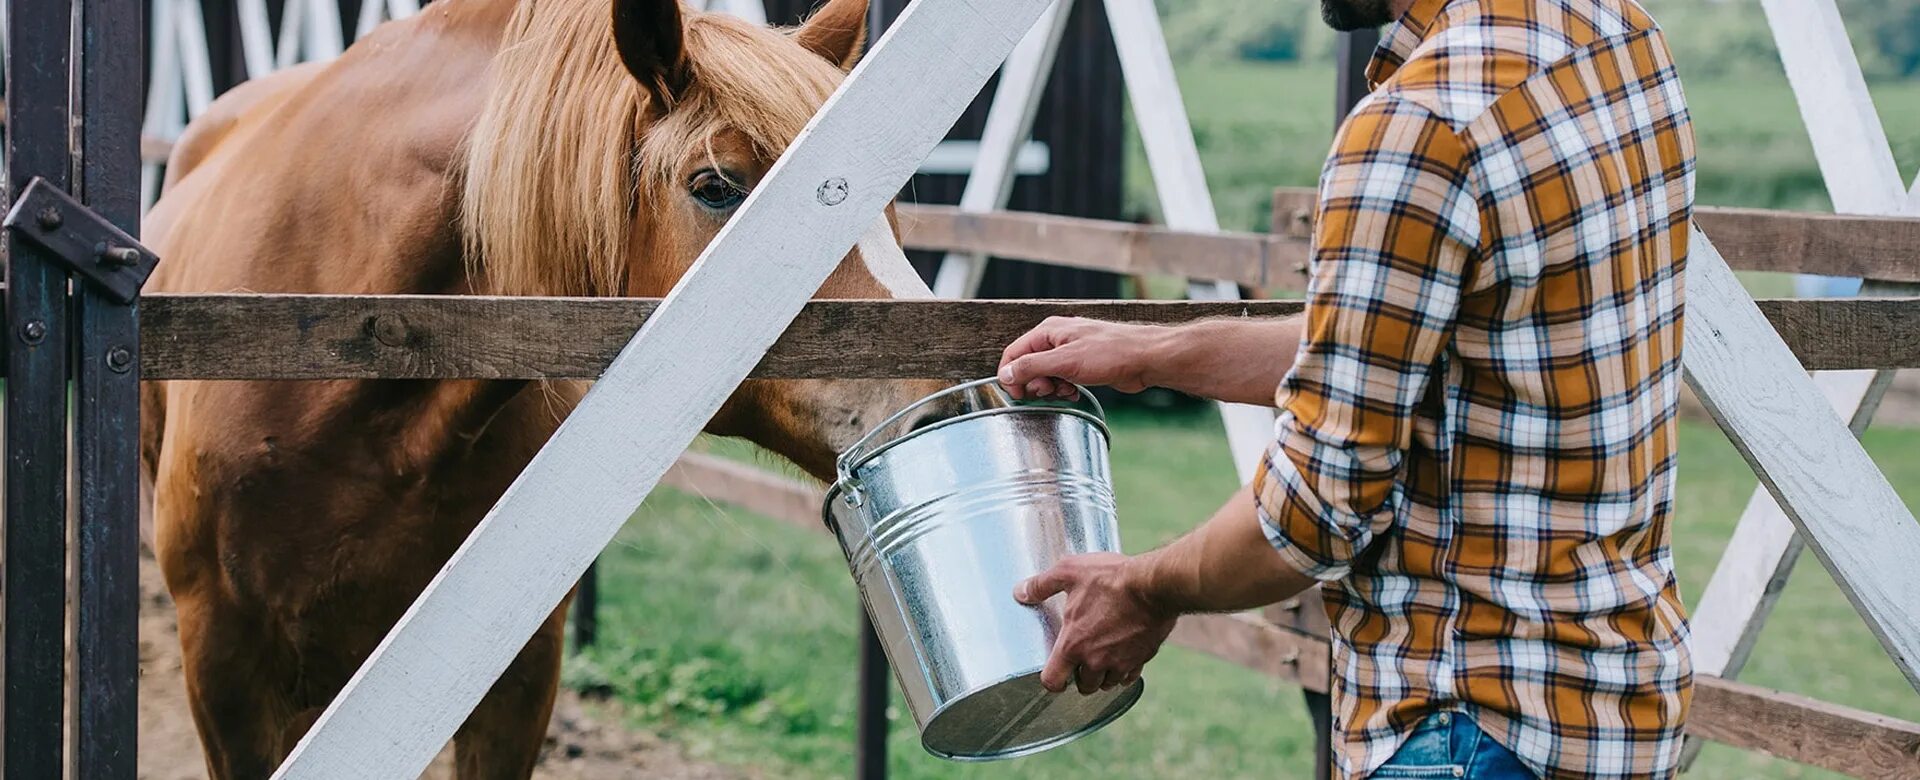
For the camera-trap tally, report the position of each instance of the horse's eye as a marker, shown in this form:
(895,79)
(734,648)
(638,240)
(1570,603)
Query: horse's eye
(716,191)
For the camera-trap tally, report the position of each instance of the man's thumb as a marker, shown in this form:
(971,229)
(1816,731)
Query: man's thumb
(1041,587)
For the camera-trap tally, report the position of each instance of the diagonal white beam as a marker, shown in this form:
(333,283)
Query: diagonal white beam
(256,37)
(1181,184)
(1803,453)
(1009,122)
(833,182)
(1861,176)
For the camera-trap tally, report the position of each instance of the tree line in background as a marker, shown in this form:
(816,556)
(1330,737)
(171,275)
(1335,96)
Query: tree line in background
(1709,38)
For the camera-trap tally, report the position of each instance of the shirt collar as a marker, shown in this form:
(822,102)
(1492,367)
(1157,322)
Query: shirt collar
(1399,40)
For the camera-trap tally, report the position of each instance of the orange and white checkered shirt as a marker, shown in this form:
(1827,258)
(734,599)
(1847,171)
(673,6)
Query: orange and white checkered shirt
(1476,446)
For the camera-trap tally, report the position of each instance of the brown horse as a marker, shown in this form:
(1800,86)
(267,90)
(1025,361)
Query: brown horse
(544,147)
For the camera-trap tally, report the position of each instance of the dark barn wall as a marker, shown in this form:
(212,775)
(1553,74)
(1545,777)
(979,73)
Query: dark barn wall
(1079,120)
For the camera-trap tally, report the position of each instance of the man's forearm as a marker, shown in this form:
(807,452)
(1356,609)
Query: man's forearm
(1225,565)
(1240,360)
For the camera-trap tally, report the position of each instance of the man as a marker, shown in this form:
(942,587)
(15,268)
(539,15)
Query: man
(1475,446)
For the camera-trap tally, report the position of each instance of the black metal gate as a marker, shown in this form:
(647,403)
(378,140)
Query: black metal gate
(72,361)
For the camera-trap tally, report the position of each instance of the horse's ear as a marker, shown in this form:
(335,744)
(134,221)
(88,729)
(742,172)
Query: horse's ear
(837,32)
(652,43)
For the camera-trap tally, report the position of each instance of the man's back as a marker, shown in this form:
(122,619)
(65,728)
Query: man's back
(1477,442)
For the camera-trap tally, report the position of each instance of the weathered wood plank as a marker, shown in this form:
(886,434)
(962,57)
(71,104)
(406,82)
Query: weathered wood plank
(1745,376)
(1797,728)
(1252,259)
(1869,247)
(832,184)
(1784,725)
(33,580)
(446,337)
(104,663)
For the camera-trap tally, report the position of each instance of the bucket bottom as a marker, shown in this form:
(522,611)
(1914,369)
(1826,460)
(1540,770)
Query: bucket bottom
(1017,717)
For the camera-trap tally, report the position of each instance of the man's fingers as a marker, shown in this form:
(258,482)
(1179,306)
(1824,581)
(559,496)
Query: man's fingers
(1039,339)
(1021,375)
(1088,679)
(1113,679)
(1055,675)
(1042,586)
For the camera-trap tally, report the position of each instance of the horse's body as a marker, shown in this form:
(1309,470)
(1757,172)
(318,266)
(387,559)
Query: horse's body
(462,151)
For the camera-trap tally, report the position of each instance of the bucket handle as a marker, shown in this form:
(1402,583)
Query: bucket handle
(843,465)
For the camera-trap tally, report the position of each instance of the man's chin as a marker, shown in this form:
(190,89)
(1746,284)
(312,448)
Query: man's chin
(1351,15)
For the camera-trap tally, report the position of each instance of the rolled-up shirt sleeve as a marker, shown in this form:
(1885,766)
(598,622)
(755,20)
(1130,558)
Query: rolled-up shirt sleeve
(1396,227)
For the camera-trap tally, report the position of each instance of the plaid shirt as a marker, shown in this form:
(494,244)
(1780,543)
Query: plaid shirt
(1476,446)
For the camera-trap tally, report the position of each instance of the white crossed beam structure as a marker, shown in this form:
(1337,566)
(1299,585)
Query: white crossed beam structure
(1857,164)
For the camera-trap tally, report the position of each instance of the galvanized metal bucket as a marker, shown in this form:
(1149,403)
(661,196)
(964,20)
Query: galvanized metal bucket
(939,524)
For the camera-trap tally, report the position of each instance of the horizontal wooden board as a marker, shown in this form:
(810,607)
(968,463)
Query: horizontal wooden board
(424,337)
(1251,259)
(445,337)
(1886,248)
(1798,728)
(1784,725)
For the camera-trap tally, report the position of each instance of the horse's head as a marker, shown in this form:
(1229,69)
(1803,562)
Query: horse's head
(604,164)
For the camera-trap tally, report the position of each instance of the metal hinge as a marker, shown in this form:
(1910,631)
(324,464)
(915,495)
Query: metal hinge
(84,241)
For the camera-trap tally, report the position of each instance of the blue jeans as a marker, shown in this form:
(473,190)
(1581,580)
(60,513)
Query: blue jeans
(1449,745)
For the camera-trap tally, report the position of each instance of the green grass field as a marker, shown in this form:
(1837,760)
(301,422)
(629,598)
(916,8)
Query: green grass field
(734,634)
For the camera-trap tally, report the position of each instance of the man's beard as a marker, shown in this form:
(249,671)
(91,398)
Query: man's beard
(1350,15)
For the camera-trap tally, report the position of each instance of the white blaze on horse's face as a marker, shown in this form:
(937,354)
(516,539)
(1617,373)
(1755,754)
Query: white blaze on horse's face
(881,254)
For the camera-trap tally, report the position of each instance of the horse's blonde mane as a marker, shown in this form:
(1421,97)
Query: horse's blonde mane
(558,162)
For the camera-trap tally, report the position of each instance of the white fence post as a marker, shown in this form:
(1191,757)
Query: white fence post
(830,186)
(1181,184)
(1009,123)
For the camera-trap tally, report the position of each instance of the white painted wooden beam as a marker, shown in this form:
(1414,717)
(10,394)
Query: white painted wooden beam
(1023,81)
(256,37)
(1861,176)
(1803,453)
(1849,142)
(437,662)
(196,67)
(1181,184)
(959,158)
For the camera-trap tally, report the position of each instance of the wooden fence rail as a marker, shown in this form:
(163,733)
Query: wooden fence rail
(1784,725)
(448,337)
(1750,240)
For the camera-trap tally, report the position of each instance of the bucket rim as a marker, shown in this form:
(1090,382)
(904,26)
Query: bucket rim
(1128,698)
(845,480)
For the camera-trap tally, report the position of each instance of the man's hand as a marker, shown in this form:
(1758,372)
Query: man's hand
(1240,359)
(1111,629)
(1062,351)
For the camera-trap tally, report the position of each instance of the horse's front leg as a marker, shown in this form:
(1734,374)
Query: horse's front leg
(501,740)
(238,688)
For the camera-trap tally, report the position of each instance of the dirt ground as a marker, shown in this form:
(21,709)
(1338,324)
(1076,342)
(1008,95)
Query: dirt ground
(584,742)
